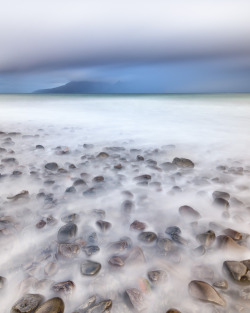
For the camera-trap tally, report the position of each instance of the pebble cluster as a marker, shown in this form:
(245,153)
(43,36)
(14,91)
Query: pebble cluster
(119,228)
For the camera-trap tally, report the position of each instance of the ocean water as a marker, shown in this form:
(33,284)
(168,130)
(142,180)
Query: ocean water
(211,130)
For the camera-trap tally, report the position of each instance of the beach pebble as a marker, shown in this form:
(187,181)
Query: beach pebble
(54,305)
(27,304)
(90,268)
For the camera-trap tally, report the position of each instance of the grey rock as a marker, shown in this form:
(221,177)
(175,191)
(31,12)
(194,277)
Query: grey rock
(27,304)
(66,233)
(90,268)
(52,166)
(147,237)
(207,238)
(183,163)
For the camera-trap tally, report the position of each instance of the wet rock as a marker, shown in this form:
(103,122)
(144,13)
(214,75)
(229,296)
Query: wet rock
(40,224)
(173,311)
(188,212)
(103,155)
(173,230)
(157,276)
(118,166)
(140,158)
(203,291)
(183,163)
(235,235)
(143,178)
(147,237)
(50,269)
(16,173)
(220,202)
(79,182)
(88,146)
(54,305)
(103,225)
(90,250)
(90,268)
(136,225)
(22,195)
(70,190)
(51,166)
(127,206)
(71,218)
(221,194)
(207,238)
(221,284)
(68,250)
(98,179)
(136,298)
(39,147)
(116,261)
(66,287)
(237,270)
(226,242)
(27,304)
(3,281)
(67,233)
(9,161)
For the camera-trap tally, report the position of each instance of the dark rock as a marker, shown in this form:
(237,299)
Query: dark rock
(116,261)
(16,173)
(98,179)
(147,237)
(68,250)
(70,190)
(72,166)
(183,163)
(71,218)
(118,166)
(140,158)
(221,194)
(207,238)
(66,287)
(173,230)
(220,202)
(27,304)
(90,268)
(54,305)
(22,195)
(79,182)
(90,250)
(9,161)
(142,178)
(51,166)
(3,281)
(103,225)
(39,147)
(136,225)
(136,298)
(188,212)
(103,155)
(173,311)
(40,224)
(157,276)
(203,291)
(67,232)
(235,235)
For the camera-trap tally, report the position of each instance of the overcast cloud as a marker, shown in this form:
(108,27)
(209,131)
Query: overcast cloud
(89,36)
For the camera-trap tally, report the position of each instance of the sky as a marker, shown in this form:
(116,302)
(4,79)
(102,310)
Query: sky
(161,45)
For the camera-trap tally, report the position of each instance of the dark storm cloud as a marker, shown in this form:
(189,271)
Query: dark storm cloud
(40,35)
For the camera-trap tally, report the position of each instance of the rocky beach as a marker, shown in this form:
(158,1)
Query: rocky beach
(124,204)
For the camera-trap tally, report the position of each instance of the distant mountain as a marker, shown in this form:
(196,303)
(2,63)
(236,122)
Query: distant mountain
(91,87)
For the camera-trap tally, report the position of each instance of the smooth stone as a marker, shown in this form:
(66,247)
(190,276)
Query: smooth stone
(39,147)
(207,238)
(136,225)
(221,284)
(51,166)
(157,276)
(188,212)
(98,179)
(183,163)
(118,166)
(222,203)
(221,194)
(68,250)
(144,177)
(237,270)
(22,195)
(139,158)
(103,225)
(40,224)
(173,311)
(235,235)
(2,282)
(67,232)
(173,230)
(203,291)
(116,261)
(50,269)
(66,287)
(70,190)
(136,298)
(54,305)
(90,250)
(79,182)
(147,237)
(27,304)
(71,218)
(103,155)
(9,160)
(90,268)
(104,306)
